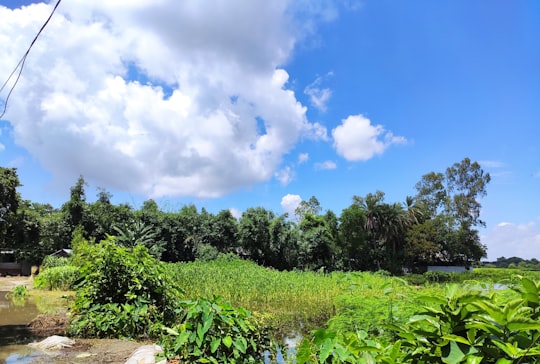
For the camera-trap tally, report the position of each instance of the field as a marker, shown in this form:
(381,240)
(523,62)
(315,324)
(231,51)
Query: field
(334,312)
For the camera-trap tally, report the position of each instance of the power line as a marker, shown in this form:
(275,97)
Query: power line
(21,63)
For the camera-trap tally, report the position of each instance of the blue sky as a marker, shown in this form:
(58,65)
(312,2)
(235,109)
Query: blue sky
(208,103)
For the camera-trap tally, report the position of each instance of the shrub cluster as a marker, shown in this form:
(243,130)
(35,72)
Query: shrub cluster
(123,292)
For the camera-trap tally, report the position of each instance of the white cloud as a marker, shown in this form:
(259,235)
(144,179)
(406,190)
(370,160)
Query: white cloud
(161,98)
(318,95)
(303,158)
(356,139)
(285,175)
(2,147)
(289,203)
(492,164)
(513,240)
(235,212)
(316,131)
(325,165)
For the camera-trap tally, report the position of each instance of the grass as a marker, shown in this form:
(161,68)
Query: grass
(289,301)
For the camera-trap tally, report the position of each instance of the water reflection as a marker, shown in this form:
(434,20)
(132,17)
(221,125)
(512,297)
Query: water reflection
(14,334)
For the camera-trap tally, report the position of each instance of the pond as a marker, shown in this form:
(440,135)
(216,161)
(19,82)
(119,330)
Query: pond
(14,334)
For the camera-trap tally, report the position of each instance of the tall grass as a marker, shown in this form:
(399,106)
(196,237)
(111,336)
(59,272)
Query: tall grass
(57,278)
(289,301)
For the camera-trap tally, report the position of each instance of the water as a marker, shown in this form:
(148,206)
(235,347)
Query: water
(14,335)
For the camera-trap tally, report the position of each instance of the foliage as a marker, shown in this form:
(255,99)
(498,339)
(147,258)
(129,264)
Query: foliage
(472,326)
(122,292)
(466,325)
(18,295)
(51,261)
(452,199)
(61,277)
(19,292)
(212,331)
(290,301)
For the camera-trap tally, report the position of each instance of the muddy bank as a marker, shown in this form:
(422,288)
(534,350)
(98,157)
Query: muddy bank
(21,324)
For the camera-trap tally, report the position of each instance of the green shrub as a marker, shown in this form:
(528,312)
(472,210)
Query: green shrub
(57,278)
(123,292)
(212,331)
(19,292)
(51,261)
(438,277)
(466,325)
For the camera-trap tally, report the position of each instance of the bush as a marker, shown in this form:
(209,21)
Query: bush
(57,278)
(212,331)
(438,277)
(51,261)
(123,292)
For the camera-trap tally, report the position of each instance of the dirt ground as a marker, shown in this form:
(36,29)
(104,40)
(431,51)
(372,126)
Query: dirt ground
(9,282)
(85,350)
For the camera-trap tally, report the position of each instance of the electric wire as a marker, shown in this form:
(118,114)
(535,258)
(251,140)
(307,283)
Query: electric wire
(20,65)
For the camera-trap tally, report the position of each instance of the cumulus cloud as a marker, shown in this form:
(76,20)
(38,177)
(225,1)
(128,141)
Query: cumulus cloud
(290,202)
(356,139)
(162,98)
(325,165)
(508,239)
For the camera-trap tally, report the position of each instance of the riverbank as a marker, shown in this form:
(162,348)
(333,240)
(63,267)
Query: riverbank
(84,351)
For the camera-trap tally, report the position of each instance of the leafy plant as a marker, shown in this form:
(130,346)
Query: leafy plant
(61,277)
(212,331)
(19,292)
(472,326)
(51,261)
(123,292)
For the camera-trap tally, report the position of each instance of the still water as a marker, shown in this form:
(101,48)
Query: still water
(14,335)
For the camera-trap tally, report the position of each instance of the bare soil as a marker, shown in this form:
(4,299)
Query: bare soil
(10,282)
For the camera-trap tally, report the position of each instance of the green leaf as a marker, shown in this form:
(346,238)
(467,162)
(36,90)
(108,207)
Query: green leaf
(523,324)
(326,349)
(214,345)
(227,341)
(241,344)
(456,338)
(455,353)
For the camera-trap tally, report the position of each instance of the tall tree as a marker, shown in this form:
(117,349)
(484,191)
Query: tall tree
(9,202)
(74,208)
(453,197)
(312,206)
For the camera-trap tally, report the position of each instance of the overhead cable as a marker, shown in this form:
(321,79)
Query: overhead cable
(21,63)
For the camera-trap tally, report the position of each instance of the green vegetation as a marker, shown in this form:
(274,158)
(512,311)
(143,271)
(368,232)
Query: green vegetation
(18,292)
(465,325)
(438,226)
(213,331)
(61,277)
(289,301)
(178,277)
(123,292)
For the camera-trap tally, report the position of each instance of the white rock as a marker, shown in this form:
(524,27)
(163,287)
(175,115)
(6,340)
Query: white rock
(54,342)
(145,355)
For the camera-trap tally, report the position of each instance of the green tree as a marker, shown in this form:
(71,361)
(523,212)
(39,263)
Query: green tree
(9,202)
(74,208)
(254,233)
(453,197)
(353,239)
(312,206)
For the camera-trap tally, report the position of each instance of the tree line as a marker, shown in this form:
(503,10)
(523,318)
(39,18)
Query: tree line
(436,226)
